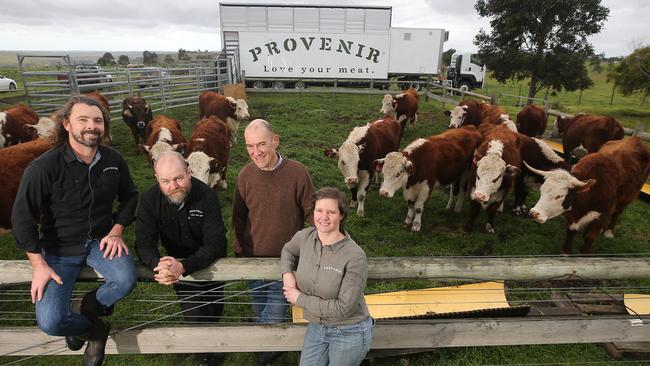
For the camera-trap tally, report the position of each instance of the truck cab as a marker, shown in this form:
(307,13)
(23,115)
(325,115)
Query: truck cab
(466,71)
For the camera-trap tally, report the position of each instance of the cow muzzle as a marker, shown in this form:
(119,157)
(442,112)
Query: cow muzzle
(385,193)
(480,197)
(352,181)
(141,124)
(537,216)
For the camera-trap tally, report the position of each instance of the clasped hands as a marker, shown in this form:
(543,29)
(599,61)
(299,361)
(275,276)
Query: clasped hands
(168,271)
(290,288)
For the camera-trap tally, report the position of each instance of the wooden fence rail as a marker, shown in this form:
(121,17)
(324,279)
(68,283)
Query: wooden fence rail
(382,268)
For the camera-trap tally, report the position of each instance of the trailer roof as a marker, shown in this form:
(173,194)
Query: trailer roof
(279,5)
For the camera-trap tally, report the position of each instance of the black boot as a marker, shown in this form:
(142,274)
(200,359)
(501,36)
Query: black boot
(72,342)
(96,337)
(91,308)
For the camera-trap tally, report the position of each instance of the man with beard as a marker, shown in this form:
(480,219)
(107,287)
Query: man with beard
(70,191)
(183,213)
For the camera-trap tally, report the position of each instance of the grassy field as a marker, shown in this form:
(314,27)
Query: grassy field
(309,124)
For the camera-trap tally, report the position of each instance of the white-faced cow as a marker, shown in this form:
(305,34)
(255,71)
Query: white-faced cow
(208,150)
(586,132)
(403,107)
(467,112)
(495,165)
(596,191)
(227,109)
(356,155)
(425,164)
(13,122)
(531,121)
(137,114)
(162,134)
(537,154)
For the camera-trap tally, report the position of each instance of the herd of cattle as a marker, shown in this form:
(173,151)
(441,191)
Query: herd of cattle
(483,155)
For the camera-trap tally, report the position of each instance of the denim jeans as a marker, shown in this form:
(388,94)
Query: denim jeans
(53,311)
(268,302)
(342,345)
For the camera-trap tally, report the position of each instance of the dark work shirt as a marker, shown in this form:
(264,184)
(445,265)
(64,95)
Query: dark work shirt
(72,201)
(194,231)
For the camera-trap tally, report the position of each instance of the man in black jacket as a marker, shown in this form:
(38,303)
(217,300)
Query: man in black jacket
(70,191)
(183,214)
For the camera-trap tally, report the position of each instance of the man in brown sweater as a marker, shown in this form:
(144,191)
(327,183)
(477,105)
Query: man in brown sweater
(270,205)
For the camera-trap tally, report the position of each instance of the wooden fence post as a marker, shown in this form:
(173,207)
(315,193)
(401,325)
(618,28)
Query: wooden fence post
(493,99)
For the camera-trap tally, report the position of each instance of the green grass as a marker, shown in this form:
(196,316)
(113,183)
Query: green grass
(309,124)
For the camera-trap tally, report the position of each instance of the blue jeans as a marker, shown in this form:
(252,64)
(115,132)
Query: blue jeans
(53,311)
(268,302)
(342,345)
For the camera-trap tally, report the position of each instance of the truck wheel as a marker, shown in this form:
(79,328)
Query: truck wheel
(278,85)
(258,84)
(416,86)
(300,85)
(464,86)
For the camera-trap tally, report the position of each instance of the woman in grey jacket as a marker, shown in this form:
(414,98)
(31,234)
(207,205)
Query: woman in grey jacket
(330,276)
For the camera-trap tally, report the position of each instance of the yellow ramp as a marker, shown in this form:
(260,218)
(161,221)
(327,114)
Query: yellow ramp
(637,304)
(478,296)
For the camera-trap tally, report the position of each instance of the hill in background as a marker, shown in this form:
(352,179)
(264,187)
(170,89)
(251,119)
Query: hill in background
(9,59)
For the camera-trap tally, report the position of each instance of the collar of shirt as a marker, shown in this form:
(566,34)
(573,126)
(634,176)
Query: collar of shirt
(333,247)
(70,156)
(277,164)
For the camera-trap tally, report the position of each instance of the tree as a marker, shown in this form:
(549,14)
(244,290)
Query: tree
(149,58)
(106,60)
(183,56)
(544,40)
(169,60)
(123,60)
(632,74)
(446,56)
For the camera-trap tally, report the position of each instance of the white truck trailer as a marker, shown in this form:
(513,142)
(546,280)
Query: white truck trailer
(281,46)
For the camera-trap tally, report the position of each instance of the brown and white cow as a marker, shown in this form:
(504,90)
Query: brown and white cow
(425,164)
(356,154)
(586,132)
(228,109)
(467,112)
(137,114)
(403,107)
(208,150)
(45,128)
(162,134)
(14,160)
(531,121)
(496,164)
(101,98)
(537,154)
(596,190)
(12,125)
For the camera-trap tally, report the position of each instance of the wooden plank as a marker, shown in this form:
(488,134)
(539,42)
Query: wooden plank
(441,268)
(21,341)
(603,309)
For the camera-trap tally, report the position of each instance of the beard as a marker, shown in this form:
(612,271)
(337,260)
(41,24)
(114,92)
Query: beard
(90,138)
(178,196)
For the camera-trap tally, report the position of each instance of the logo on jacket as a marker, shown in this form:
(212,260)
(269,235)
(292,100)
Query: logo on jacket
(196,213)
(330,268)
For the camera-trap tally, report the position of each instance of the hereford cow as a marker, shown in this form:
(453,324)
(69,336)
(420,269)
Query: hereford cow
(586,131)
(13,161)
(13,122)
(227,109)
(45,128)
(467,112)
(137,114)
(162,134)
(207,151)
(496,164)
(356,155)
(596,191)
(531,121)
(100,98)
(403,107)
(427,163)
(537,154)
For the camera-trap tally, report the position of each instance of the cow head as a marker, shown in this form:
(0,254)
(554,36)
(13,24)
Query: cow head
(348,161)
(457,116)
(505,120)
(44,128)
(240,107)
(396,169)
(558,193)
(560,126)
(490,171)
(204,168)
(136,111)
(388,105)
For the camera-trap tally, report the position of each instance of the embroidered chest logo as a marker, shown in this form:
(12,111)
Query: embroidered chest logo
(330,268)
(196,213)
(109,169)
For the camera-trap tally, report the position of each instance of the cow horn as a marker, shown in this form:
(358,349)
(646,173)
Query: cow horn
(536,171)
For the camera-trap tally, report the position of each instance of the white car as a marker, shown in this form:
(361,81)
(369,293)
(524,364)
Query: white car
(7,84)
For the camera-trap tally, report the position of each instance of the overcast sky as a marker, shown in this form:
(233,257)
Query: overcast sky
(167,25)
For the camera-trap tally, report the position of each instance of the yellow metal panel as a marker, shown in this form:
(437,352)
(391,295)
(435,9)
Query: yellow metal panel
(555,146)
(478,296)
(637,304)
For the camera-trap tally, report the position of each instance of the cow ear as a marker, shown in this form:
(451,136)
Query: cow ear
(587,186)
(232,101)
(30,130)
(512,170)
(476,157)
(465,107)
(447,113)
(180,148)
(331,153)
(127,113)
(408,167)
(361,148)
(378,164)
(143,148)
(214,164)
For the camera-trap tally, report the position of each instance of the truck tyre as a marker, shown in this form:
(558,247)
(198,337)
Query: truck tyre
(278,85)
(416,86)
(464,86)
(258,84)
(300,85)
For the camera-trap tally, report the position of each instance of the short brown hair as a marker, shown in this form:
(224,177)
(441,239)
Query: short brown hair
(333,193)
(64,113)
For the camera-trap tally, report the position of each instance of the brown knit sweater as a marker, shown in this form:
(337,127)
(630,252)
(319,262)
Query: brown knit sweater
(269,207)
